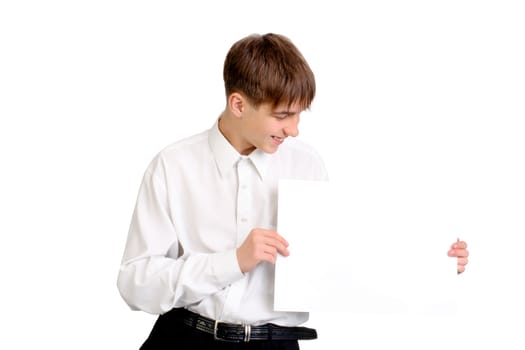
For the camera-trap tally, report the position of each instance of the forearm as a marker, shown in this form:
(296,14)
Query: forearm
(156,284)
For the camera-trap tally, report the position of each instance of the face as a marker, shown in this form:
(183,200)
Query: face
(266,127)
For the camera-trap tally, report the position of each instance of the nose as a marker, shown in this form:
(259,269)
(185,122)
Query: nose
(292,127)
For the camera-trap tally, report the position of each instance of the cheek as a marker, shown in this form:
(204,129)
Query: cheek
(260,131)
(264,129)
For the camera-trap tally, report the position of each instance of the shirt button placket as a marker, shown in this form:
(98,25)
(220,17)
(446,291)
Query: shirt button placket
(243,199)
(237,289)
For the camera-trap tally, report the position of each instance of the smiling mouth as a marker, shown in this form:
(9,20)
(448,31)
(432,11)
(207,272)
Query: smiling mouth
(278,139)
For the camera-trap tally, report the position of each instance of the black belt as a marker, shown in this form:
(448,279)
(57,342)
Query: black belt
(240,332)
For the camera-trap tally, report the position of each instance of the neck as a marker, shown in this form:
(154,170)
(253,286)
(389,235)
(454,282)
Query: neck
(230,129)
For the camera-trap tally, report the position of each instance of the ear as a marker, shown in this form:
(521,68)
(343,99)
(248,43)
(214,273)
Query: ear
(236,103)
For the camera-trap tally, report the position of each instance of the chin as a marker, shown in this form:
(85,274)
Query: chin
(269,149)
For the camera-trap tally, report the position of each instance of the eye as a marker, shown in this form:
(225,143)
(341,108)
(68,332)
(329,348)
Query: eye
(280,115)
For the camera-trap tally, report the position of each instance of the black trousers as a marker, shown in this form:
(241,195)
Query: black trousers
(167,334)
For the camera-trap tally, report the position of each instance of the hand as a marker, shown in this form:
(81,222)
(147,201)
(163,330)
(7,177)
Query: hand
(459,250)
(260,245)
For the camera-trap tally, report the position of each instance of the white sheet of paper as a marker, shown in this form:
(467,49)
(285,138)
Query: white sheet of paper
(355,249)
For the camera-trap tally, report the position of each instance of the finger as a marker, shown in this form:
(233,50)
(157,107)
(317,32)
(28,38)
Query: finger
(462,252)
(462,261)
(275,235)
(458,253)
(461,268)
(452,253)
(275,240)
(268,249)
(459,245)
(278,245)
(271,258)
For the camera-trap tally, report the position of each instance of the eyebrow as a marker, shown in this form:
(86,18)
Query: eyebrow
(287,112)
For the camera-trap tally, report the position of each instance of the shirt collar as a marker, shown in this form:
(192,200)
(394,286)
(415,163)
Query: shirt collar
(226,156)
(261,161)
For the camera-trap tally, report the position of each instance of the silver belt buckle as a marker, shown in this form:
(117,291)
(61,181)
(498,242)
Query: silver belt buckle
(215,326)
(247,332)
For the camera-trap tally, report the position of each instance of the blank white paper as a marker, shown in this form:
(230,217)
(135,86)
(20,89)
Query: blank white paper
(362,250)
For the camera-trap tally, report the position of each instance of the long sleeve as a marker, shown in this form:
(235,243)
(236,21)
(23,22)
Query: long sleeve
(155,274)
(198,201)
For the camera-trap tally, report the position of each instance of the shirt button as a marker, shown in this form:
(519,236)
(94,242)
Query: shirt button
(244,220)
(244,187)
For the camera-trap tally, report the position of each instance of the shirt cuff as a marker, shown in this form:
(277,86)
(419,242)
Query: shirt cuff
(226,267)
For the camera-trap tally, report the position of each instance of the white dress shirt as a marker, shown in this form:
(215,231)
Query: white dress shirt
(198,201)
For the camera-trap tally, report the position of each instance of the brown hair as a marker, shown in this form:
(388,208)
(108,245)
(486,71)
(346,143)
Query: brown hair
(269,68)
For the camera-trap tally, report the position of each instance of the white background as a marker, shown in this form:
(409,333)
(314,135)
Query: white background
(429,94)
